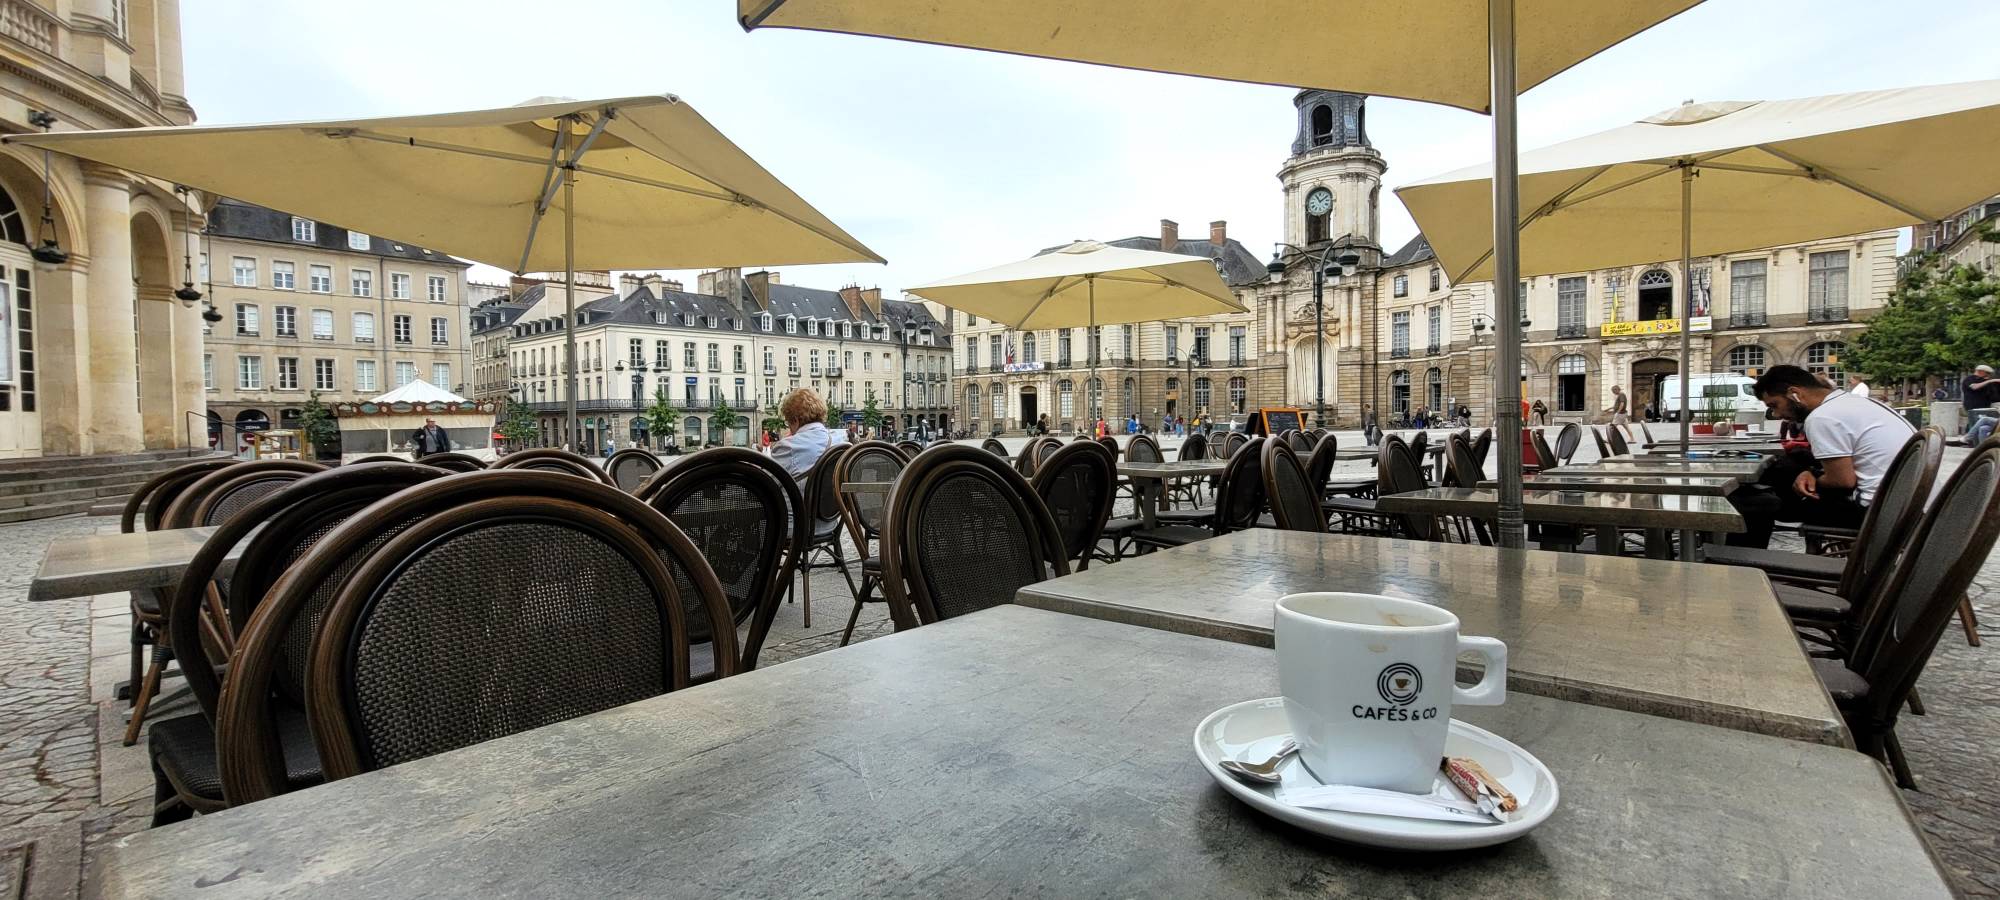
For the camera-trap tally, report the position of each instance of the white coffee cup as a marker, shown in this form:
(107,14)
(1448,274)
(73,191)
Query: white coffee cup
(1369,682)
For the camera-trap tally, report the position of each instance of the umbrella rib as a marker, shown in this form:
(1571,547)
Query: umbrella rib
(1556,204)
(1817,172)
(1057,288)
(548,187)
(1180,284)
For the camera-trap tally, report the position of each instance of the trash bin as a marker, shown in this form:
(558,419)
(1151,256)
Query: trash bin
(1945,414)
(1913,413)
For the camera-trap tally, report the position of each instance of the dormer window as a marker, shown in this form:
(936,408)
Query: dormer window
(791,325)
(767,323)
(846,329)
(305,231)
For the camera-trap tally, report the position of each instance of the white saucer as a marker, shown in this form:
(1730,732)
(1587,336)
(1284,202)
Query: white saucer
(1253,730)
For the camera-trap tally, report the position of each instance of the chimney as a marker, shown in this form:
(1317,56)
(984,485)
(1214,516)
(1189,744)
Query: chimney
(674,285)
(872,298)
(652,282)
(725,283)
(851,295)
(1170,235)
(1218,233)
(760,288)
(628,283)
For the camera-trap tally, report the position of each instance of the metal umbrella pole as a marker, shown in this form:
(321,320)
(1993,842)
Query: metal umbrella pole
(569,296)
(1090,345)
(1509,531)
(1687,292)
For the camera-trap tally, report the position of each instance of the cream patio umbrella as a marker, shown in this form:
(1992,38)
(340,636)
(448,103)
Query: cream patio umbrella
(1770,172)
(1089,284)
(1472,54)
(640,182)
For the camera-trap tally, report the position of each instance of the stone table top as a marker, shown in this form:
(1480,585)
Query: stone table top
(1350,454)
(1657,465)
(1703,451)
(1187,468)
(1031,755)
(110,563)
(1702,643)
(1627,510)
(1704,485)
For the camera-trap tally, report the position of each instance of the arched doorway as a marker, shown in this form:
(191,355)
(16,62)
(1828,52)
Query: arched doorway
(249,422)
(1648,378)
(1656,294)
(1399,392)
(154,318)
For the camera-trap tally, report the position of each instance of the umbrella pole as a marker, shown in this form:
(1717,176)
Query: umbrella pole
(569,297)
(1090,345)
(1687,296)
(1509,531)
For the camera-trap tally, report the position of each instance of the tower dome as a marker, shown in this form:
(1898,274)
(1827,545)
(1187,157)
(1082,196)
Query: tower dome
(1330,119)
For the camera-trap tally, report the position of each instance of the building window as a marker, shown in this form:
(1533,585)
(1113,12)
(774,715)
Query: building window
(1237,338)
(434,288)
(1569,306)
(322,324)
(401,324)
(1746,292)
(1436,314)
(994,359)
(1203,393)
(1437,278)
(250,373)
(791,325)
(243,271)
(1570,372)
(364,327)
(742,395)
(1065,400)
(1747,359)
(663,355)
(304,230)
(1028,347)
(357,241)
(868,361)
(288,373)
(319,279)
(1434,389)
(813,362)
(971,354)
(736,357)
(364,376)
(440,330)
(1400,286)
(361,282)
(1656,295)
(441,375)
(1399,392)
(285,321)
(399,286)
(846,329)
(1173,334)
(714,358)
(406,372)
(1826,287)
(208,371)
(283,276)
(1823,359)
(635,349)
(1239,393)
(322,374)
(1125,342)
(246,319)
(1399,333)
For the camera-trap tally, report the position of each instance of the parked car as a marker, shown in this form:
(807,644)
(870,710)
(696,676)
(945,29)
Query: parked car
(1728,385)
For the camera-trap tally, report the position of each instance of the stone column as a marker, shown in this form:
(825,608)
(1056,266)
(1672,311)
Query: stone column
(114,425)
(188,391)
(167,31)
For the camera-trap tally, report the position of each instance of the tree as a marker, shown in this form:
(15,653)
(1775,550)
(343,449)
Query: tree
(834,413)
(723,419)
(1906,342)
(1972,336)
(321,431)
(517,423)
(771,421)
(871,414)
(660,415)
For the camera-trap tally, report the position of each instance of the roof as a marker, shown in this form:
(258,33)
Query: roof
(501,313)
(1416,251)
(234,218)
(649,306)
(419,391)
(1238,266)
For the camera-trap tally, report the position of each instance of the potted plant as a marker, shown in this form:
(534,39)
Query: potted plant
(321,432)
(1716,413)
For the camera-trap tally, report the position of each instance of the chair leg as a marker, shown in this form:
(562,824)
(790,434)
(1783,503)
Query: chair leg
(1969,619)
(1916,704)
(806,611)
(1897,764)
(139,642)
(852,618)
(143,697)
(168,807)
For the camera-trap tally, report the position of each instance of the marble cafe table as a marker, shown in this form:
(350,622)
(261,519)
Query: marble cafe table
(1151,479)
(111,563)
(1020,753)
(1612,482)
(1605,513)
(1701,643)
(1742,467)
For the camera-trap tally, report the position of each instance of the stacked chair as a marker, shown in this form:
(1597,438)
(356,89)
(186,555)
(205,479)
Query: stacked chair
(1077,485)
(963,532)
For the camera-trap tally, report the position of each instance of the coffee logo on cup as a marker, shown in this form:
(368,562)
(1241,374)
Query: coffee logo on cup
(1400,683)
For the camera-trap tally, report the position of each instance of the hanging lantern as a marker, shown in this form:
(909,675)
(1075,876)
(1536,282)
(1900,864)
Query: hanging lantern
(186,293)
(46,251)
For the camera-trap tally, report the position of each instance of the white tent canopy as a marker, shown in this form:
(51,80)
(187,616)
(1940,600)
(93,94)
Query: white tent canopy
(1087,283)
(419,391)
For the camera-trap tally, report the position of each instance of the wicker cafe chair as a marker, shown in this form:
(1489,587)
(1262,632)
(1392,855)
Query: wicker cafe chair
(993,446)
(1543,452)
(1357,514)
(380,457)
(1189,490)
(1461,470)
(963,533)
(1890,653)
(821,545)
(180,512)
(1299,441)
(437,641)
(910,449)
(1483,445)
(1239,499)
(1567,440)
(454,461)
(1077,484)
(554,460)
(148,505)
(1616,436)
(1194,446)
(629,468)
(1397,472)
(1234,441)
(1603,449)
(1294,499)
(186,772)
(736,512)
(1419,447)
(873,461)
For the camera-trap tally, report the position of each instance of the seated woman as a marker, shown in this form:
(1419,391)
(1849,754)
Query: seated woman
(805,415)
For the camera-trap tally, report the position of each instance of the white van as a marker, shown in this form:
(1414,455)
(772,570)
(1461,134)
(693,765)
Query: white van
(1728,385)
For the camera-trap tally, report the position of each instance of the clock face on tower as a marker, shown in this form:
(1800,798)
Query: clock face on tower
(1319,202)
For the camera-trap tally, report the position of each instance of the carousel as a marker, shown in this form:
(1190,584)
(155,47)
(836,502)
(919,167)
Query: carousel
(387,425)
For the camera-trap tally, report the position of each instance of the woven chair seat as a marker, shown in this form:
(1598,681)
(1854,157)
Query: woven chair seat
(1358,506)
(871,564)
(1171,535)
(1842,683)
(1777,563)
(1812,605)
(147,602)
(1123,527)
(184,748)
(1185,516)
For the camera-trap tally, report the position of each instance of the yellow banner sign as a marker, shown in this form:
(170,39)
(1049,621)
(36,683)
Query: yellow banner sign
(1641,326)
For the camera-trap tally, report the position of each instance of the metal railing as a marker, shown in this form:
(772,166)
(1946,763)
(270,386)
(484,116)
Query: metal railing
(1827,314)
(1748,320)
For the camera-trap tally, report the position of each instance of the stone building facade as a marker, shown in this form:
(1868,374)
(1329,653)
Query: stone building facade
(74,378)
(310,308)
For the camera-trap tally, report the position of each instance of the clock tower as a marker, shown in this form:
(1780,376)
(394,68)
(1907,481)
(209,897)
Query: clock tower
(1333,179)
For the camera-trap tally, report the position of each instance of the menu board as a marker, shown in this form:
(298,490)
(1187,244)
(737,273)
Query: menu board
(1278,420)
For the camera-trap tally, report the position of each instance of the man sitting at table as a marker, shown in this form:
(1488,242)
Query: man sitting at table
(805,414)
(1853,441)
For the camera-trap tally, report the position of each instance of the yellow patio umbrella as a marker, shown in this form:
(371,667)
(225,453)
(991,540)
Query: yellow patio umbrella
(1088,284)
(1755,174)
(640,182)
(1472,54)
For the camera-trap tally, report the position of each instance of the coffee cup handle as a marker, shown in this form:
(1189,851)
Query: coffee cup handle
(1492,687)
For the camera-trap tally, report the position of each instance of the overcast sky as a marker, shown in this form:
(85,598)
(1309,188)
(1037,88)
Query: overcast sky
(946,160)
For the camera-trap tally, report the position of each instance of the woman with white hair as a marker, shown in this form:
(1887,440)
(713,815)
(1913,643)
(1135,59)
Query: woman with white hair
(805,415)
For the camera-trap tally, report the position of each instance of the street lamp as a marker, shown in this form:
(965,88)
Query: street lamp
(1324,264)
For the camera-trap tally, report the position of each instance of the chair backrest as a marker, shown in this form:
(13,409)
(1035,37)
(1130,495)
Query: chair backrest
(822,489)
(737,512)
(1398,472)
(553,459)
(1077,484)
(1463,470)
(1481,446)
(876,461)
(1543,453)
(1419,445)
(378,457)
(1110,444)
(1892,517)
(627,468)
(1299,441)
(1603,449)
(1143,449)
(454,461)
(1239,497)
(1046,448)
(1319,466)
(148,505)
(1235,441)
(290,510)
(1945,555)
(993,446)
(436,642)
(228,499)
(185,511)
(1567,440)
(1616,436)
(965,533)
(1294,499)
(1645,432)
(910,448)
(1194,446)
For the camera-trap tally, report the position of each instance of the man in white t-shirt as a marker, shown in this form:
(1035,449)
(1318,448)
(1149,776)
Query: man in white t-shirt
(1854,439)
